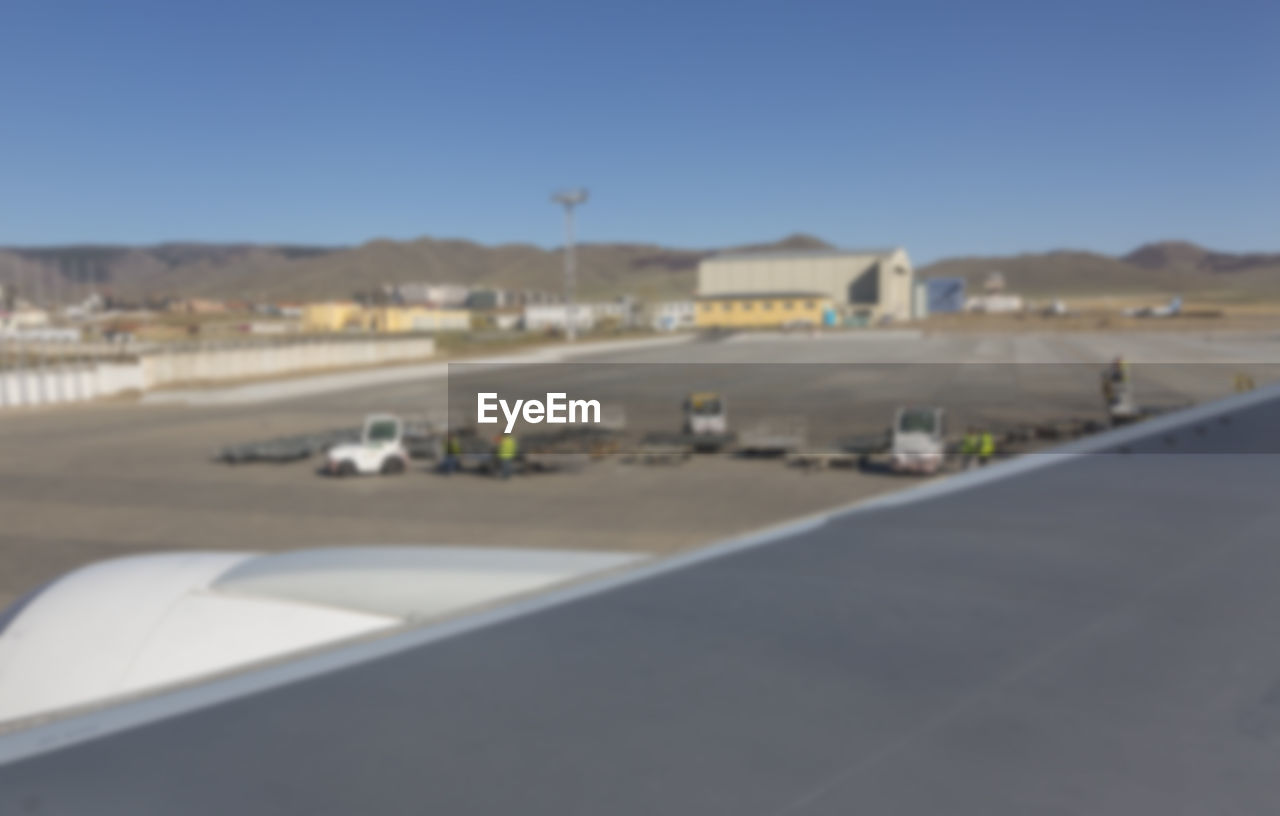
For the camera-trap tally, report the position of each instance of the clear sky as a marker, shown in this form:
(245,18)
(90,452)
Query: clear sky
(947,127)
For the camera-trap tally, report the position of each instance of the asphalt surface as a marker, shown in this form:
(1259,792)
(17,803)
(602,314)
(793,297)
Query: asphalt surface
(84,483)
(1095,636)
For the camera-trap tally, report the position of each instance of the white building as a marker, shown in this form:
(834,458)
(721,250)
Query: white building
(621,312)
(994,303)
(493,298)
(24,317)
(871,285)
(79,311)
(274,327)
(40,334)
(672,315)
(447,295)
(507,321)
(439,319)
(544,316)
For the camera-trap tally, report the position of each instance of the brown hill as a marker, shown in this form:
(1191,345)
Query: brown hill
(1187,257)
(255,272)
(1053,273)
(1167,267)
(1180,255)
(286,273)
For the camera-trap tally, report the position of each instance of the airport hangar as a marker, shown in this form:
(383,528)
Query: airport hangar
(857,287)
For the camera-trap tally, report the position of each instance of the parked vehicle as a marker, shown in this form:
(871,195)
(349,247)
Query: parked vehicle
(919,440)
(381,450)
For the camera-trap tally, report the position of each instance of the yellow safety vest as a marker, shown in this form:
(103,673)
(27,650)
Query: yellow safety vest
(988,447)
(507,447)
(970,445)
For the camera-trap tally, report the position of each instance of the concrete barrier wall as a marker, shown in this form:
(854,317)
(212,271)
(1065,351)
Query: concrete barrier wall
(224,364)
(57,384)
(62,382)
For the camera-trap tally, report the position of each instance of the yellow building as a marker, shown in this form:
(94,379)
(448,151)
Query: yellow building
(333,316)
(337,316)
(384,319)
(763,310)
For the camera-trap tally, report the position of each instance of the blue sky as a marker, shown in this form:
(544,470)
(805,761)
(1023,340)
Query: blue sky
(948,127)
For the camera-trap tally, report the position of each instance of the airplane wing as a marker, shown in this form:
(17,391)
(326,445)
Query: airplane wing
(1092,630)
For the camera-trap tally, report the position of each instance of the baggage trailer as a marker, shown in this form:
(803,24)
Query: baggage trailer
(823,459)
(570,449)
(287,448)
(773,437)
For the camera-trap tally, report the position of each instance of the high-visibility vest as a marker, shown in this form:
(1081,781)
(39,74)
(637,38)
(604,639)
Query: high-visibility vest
(507,447)
(455,446)
(988,447)
(970,445)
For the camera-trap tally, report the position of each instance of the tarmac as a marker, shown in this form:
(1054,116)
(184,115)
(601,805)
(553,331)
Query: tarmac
(83,483)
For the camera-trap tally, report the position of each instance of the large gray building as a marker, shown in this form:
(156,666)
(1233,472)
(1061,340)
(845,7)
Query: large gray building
(871,284)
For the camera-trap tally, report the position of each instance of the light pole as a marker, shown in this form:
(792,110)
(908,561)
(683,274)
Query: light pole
(569,199)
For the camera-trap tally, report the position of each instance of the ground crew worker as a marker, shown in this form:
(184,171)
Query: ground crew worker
(970,446)
(1118,373)
(1119,369)
(986,447)
(1116,388)
(452,454)
(506,454)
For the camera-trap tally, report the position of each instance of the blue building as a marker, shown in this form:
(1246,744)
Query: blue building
(945,295)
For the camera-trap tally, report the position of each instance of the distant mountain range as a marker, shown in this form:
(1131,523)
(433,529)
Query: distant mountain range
(259,272)
(1165,267)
